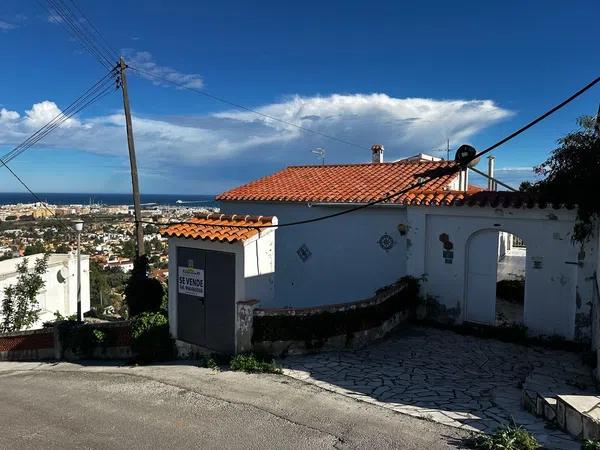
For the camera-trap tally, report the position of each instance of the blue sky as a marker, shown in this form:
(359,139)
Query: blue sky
(407,75)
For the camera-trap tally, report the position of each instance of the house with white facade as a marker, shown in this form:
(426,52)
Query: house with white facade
(447,232)
(60,291)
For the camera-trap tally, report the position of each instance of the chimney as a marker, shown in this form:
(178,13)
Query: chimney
(377,153)
(491,182)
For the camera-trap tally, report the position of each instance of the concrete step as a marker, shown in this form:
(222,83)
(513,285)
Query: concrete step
(579,415)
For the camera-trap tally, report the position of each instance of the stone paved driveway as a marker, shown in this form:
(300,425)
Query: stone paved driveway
(457,380)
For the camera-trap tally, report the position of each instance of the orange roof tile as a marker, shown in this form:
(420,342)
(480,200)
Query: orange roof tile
(494,199)
(340,183)
(219,227)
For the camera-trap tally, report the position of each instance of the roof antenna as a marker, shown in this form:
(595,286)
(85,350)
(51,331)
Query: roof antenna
(321,153)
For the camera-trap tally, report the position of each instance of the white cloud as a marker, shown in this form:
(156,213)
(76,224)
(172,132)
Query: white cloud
(6,115)
(7,26)
(152,71)
(42,113)
(237,146)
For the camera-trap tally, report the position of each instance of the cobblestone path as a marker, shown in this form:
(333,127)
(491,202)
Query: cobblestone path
(457,380)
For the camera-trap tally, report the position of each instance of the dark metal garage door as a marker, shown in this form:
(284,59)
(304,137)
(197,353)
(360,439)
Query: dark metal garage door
(206,298)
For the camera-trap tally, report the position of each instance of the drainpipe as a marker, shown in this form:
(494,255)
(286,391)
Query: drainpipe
(491,183)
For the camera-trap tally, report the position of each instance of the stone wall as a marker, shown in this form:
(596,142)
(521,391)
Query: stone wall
(27,345)
(281,331)
(68,341)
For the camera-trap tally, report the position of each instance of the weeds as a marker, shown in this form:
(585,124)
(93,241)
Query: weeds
(507,437)
(589,444)
(251,364)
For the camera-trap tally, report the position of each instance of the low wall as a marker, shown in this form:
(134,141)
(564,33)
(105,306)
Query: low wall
(106,340)
(27,345)
(281,331)
(70,341)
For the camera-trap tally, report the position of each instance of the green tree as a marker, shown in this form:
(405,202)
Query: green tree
(571,175)
(35,248)
(99,287)
(142,294)
(20,308)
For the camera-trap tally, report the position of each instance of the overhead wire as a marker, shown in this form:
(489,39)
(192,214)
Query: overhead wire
(75,26)
(100,89)
(84,100)
(245,108)
(430,175)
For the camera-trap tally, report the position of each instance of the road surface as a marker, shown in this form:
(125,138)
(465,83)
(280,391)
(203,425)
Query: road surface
(181,406)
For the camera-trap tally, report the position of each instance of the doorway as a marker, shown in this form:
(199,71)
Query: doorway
(495,278)
(510,280)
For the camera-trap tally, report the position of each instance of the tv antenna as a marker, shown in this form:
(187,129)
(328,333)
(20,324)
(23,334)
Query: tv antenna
(321,153)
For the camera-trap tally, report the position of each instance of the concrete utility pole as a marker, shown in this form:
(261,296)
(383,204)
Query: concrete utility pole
(139,229)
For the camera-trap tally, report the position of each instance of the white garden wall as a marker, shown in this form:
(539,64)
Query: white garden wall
(553,274)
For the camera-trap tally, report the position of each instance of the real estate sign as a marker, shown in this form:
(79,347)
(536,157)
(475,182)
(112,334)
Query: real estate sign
(190,281)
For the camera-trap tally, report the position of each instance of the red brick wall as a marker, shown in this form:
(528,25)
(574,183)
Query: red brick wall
(27,341)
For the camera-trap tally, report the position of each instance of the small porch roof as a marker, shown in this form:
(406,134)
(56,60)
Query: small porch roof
(218,227)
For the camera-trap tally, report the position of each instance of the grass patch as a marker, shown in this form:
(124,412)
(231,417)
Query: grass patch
(506,437)
(251,364)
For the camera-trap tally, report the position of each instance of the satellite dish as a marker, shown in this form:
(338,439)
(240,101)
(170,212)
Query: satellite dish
(465,153)
(60,276)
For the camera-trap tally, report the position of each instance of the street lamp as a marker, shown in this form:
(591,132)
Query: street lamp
(78,226)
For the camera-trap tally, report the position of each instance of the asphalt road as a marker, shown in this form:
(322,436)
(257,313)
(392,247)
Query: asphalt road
(109,407)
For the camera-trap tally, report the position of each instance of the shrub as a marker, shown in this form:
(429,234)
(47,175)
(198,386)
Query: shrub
(80,339)
(589,444)
(506,437)
(511,290)
(151,338)
(143,294)
(251,364)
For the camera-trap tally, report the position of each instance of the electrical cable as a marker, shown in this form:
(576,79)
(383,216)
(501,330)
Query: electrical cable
(84,100)
(431,174)
(245,108)
(74,26)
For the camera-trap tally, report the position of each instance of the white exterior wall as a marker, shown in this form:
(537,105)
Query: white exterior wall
(259,267)
(57,295)
(551,302)
(346,262)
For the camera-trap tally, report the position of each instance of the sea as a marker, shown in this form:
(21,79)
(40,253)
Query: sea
(53,198)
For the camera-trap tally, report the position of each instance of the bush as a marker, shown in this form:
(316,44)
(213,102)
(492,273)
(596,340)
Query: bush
(151,338)
(511,290)
(81,338)
(143,294)
(589,444)
(506,437)
(251,364)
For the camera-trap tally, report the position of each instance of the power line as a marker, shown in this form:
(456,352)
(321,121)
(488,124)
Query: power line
(110,49)
(74,25)
(540,118)
(431,174)
(245,108)
(93,94)
(102,87)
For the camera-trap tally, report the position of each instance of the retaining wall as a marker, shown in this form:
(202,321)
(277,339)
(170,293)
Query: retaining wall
(281,331)
(55,343)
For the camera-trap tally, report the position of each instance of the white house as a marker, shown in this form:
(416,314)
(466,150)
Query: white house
(448,232)
(60,291)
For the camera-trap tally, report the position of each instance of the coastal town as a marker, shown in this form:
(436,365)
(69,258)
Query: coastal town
(106,237)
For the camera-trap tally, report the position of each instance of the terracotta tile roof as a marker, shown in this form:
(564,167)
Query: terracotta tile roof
(343,183)
(494,199)
(219,227)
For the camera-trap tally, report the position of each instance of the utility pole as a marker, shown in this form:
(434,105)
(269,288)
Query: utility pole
(137,208)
